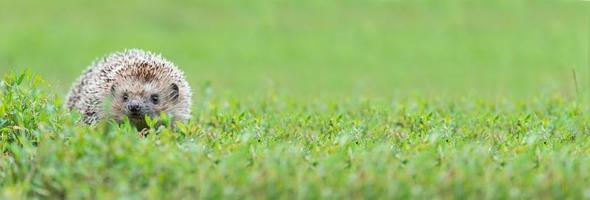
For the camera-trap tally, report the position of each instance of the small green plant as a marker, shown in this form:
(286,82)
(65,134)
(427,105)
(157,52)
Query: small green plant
(25,106)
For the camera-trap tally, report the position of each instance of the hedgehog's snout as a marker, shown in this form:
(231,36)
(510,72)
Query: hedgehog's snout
(134,108)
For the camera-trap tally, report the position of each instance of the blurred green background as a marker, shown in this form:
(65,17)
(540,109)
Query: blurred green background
(311,48)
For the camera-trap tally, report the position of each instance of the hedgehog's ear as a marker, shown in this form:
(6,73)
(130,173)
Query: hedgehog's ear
(175,91)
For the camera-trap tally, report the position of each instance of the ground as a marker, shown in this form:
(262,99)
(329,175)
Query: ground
(307,99)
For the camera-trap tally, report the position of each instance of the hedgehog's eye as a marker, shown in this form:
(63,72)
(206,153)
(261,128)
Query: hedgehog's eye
(155,98)
(125,97)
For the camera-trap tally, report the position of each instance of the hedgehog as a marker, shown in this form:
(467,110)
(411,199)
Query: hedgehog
(131,84)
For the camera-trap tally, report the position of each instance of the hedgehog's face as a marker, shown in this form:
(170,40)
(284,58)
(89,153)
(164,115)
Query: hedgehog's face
(136,99)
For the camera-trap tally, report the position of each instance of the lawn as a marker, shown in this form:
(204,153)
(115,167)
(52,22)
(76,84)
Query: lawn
(307,99)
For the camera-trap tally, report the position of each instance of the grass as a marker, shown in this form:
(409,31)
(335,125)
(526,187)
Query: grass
(307,100)
(278,148)
(332,49)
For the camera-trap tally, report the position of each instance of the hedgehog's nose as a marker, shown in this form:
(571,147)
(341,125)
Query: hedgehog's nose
(133,108)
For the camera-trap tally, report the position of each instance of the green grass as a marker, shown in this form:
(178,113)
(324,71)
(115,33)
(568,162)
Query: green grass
(307,99)
(309,48)
(279,148)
